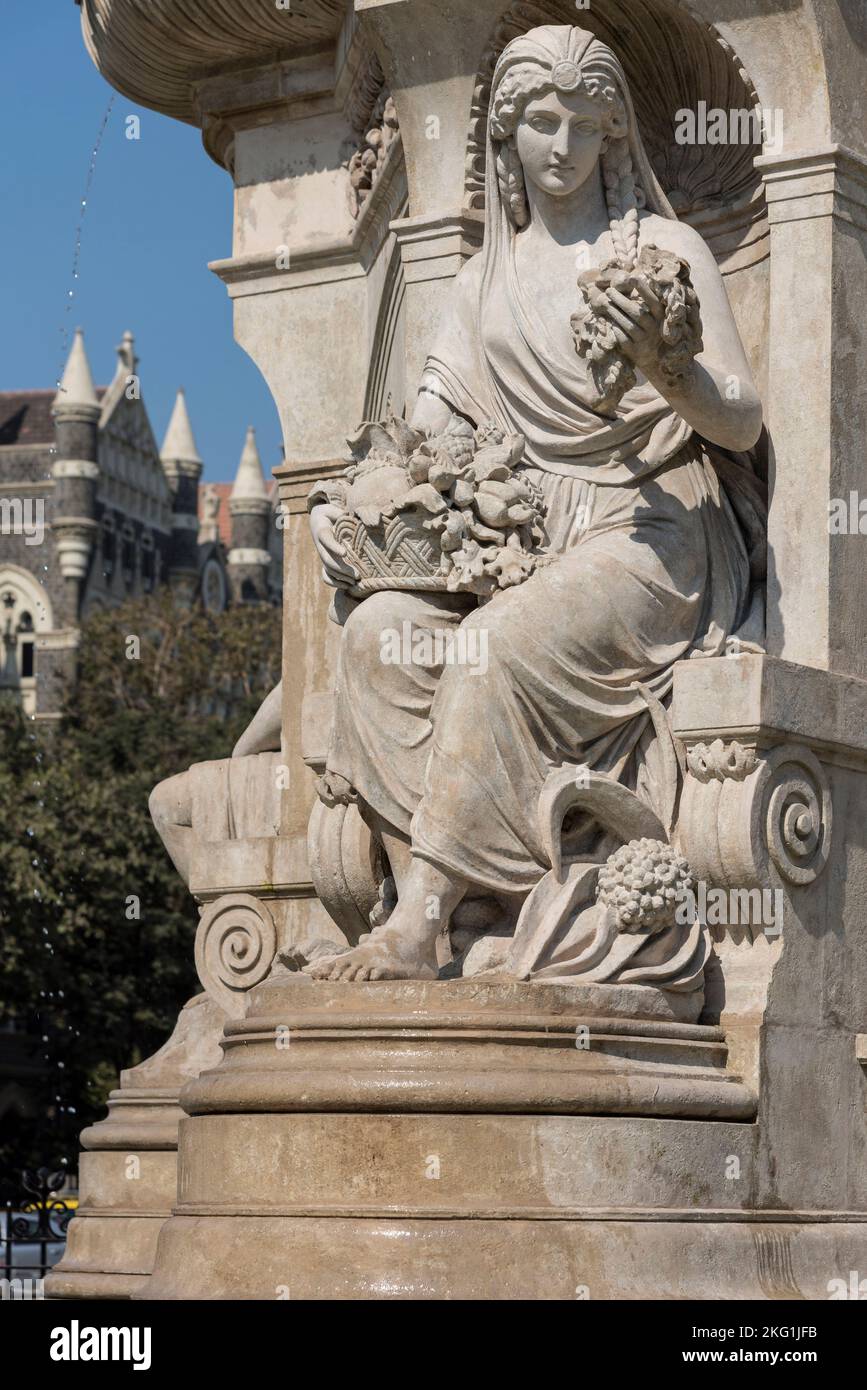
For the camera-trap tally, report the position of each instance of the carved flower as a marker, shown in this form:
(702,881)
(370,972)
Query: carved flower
(511,566)
(470,569)
(488,433)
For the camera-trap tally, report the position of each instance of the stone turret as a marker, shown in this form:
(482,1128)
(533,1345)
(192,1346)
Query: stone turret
(250,510)
(183,469)
(76,412)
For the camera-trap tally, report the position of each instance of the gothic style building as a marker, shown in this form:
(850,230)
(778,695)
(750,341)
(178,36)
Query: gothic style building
(92,513)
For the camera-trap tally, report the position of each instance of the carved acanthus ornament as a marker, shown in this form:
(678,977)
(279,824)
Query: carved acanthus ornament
(720,760)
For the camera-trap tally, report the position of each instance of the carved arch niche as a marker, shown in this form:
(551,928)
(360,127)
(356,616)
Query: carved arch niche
(673,60)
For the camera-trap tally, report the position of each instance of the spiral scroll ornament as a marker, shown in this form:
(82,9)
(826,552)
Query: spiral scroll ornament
(798,819)
(753,817)
(235,947)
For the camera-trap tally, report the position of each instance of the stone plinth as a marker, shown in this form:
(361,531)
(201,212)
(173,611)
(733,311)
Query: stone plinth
(469,1045)
(470,1138)
(128,1170)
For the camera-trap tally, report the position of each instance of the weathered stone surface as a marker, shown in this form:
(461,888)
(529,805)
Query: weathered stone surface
(441,1138)
(128,1171)
(469,1046)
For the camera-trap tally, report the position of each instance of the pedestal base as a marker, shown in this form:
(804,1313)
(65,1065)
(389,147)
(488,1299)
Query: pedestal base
(449,1206)
(477,1139)
(476,1045)
(128,1170)
(576,1258)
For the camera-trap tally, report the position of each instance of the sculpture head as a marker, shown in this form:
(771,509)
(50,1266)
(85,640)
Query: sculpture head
(559,106)
(558,140)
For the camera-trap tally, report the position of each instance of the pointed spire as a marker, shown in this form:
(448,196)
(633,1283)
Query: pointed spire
(249,480)
(76,388)
(179,446)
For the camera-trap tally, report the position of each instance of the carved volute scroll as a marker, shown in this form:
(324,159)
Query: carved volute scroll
(344,866)
(755,818)
(235,947)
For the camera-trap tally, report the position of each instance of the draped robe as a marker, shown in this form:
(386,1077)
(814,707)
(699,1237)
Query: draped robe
(652,566)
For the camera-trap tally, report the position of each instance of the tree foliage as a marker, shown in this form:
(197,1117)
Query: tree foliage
(96,929)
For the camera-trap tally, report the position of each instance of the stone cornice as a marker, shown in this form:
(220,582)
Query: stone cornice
(294,481)
(332,258)
(60,640)
(328,258)
(313,84)
(156,51)
(434,248)
(26,486)
(765,700)
(826,182)
(241,100)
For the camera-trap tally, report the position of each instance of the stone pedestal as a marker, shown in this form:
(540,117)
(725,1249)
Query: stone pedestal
(128,1170)
(479,1139)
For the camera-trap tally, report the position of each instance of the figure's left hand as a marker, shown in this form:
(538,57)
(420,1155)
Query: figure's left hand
(637,322)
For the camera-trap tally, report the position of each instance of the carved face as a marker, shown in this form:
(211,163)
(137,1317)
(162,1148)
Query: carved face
(559,141)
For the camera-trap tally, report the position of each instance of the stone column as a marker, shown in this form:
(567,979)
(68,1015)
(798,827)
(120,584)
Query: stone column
(817,404)
(432,251)
(434,105)
(306,281)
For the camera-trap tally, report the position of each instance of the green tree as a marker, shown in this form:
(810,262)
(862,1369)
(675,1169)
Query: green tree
(96,929)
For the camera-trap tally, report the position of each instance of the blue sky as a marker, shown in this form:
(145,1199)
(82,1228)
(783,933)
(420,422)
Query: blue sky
(158,210)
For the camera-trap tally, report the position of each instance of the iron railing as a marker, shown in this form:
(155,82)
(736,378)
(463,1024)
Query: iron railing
(33,1232)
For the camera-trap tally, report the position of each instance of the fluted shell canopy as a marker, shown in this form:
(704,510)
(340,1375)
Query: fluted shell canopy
(154,51)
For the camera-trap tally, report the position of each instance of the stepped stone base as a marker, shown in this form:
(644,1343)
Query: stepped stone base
(445,1140)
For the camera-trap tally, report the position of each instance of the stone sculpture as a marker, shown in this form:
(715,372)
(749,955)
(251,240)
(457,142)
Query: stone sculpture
(551,1117)
(592,341)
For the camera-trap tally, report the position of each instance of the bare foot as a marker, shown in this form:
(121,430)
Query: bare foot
(389,953)
(404,947)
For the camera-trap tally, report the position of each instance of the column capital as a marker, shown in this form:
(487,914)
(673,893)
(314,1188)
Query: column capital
(435,246)
(830,181)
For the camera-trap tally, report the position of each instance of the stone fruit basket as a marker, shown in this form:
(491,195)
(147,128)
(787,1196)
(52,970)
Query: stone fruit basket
(439,512)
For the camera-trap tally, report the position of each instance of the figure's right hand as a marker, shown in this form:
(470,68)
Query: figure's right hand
(336,569)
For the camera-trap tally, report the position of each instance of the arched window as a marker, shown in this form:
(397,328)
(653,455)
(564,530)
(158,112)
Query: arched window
(26,647)
(128,554)
(25,611)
